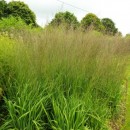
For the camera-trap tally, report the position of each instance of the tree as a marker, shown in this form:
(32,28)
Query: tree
(3,7)
(66,18)
(91,21)
(109,26)
(20,9)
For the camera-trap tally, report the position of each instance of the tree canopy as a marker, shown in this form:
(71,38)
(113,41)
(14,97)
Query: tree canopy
(109,26)
(20,9)
(17,9)
(66,18)
(3,7)
(91,21)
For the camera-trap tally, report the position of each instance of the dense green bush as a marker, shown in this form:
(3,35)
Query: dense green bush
(66,18)
(12,23)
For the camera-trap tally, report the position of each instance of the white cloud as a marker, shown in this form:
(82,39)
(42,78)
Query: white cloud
(117,10)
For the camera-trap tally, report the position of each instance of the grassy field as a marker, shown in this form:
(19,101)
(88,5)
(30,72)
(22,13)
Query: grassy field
(61,80)
(127,123)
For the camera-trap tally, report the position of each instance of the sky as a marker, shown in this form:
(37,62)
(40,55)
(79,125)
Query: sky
(117,10)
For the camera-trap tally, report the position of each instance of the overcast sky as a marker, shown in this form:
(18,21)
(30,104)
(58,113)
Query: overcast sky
(117,10)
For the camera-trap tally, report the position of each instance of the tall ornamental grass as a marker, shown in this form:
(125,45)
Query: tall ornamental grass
(61,80)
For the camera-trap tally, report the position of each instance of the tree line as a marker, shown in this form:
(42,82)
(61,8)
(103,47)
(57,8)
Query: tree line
(90,21)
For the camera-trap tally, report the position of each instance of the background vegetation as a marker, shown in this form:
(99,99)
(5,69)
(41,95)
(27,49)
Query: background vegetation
(66,18)
(17,9)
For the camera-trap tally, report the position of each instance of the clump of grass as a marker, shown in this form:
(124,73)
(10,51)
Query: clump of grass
(64,80)
(126,125)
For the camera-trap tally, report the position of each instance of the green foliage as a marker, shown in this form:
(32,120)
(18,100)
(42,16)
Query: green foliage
(1,93)
(12,23)
(91,21)
(3,7)
(127,36)
(109,26)
(20,9)
(66,18)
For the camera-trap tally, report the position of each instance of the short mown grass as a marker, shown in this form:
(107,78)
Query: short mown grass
(61,80)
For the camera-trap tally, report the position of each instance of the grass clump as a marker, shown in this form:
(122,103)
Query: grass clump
(63,80)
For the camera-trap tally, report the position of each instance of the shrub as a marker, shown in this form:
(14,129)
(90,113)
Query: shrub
(11,24)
